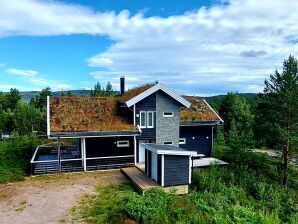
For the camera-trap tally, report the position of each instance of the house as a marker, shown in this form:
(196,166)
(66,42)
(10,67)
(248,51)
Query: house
(112,132)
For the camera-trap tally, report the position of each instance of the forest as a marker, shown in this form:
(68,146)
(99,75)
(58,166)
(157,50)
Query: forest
(253,188)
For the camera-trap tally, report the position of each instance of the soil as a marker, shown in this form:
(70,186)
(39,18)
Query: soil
(48,198)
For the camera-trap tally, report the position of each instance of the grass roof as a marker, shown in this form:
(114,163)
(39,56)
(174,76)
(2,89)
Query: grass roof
(198,111)
(131,93)
(86,114)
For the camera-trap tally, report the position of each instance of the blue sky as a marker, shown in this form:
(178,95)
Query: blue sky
(196,47)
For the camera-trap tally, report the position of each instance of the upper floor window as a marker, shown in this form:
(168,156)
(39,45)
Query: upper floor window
(182,141)
(168,114)
(143,119)
(150,117)
(146,119)
(168,143)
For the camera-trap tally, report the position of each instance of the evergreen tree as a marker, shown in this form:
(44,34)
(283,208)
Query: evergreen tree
(40,101)
(109,89)
(97,91)
(279,108)
(12,98)
(233,139)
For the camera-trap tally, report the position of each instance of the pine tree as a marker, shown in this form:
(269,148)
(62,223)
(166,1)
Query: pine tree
(97,91)
(109,89)
(280,110)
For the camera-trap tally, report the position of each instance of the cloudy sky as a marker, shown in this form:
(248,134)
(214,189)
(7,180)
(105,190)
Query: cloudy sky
(197,47)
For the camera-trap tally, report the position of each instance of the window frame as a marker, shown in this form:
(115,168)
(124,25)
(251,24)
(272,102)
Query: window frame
(152,113)
(121,145)
(145,121)
(168,143)
(168,114)
(182,141)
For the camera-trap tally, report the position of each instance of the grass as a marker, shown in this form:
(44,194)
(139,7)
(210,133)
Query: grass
(97,208)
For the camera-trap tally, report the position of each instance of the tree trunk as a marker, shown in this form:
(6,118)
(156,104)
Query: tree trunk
(286,164)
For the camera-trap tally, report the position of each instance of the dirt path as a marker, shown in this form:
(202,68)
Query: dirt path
(47,198)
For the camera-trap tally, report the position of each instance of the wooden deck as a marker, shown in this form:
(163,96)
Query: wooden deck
(143,183)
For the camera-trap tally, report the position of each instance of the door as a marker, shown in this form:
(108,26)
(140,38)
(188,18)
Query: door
(142,151)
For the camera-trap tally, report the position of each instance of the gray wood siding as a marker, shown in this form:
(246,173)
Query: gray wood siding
(200,143)
(176,170)
(147,104)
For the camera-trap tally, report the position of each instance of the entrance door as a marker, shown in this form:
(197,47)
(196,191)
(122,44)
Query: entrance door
(142,151)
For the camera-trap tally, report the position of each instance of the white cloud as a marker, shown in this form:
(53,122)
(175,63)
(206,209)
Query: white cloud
(33,77)
(21,72)
(198,52)
(7,87)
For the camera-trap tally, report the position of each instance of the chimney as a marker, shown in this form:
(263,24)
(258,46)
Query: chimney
(122,85)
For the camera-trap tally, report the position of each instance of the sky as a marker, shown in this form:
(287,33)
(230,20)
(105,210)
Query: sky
(205,47)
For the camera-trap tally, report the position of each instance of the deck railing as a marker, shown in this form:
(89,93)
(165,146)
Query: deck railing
(76,164)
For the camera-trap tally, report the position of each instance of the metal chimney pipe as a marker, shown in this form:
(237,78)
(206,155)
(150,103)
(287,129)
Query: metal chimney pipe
(122,85)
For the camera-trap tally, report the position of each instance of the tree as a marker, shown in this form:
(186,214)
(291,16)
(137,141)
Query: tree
(280,110)
(235,109)
(27,119)
(109,89)
(41,99)
(12,98)
(97,91)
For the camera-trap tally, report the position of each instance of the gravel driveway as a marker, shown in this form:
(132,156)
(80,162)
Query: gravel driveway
(47,198)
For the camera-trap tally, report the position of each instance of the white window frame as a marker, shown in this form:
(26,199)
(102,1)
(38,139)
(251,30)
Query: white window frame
(168,114)
(143,112)
(123,143)
(168,143)
(182,141)
(150,112)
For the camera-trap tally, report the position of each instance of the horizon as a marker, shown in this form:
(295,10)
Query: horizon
(203,48)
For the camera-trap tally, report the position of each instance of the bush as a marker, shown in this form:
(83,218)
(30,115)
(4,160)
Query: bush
(15,156)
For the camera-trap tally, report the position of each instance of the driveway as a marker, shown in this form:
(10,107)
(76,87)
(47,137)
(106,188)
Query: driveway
(48,198)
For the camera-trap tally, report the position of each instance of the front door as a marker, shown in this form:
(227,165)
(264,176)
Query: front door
(142,151)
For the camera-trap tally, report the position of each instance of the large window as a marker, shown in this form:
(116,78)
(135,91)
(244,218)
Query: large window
(150,117)
(146,119)
(143,119)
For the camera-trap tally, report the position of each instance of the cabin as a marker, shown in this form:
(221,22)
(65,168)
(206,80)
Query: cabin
(122,131)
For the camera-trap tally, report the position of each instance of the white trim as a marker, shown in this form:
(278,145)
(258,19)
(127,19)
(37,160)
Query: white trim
(134,115)
(33,157)
(190,165)
(84,153)
(150,112)
(182,139)
(48,116)
(162,170)
(122,143)
(109,157)
(154,89)
(170,152)
(140,119)
(135,149)
(213,111)
(168,114)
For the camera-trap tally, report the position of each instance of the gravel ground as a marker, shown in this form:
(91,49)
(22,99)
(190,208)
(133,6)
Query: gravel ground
(48,198)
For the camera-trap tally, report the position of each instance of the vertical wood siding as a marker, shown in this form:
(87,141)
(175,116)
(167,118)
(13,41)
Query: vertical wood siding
(176,170)
(200,143)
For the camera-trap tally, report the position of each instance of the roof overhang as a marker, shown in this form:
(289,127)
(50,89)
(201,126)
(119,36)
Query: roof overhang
(168,150)
(154,89)
(200,123)
(94,134)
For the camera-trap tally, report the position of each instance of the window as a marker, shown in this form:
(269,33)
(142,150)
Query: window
(124,143)
(182,141)
(168,114)
(143,119)
(150,117)
(168,143)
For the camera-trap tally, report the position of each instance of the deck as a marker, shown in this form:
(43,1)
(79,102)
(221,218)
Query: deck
(143,183)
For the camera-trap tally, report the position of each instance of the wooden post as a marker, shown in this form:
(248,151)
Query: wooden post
(59,156)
